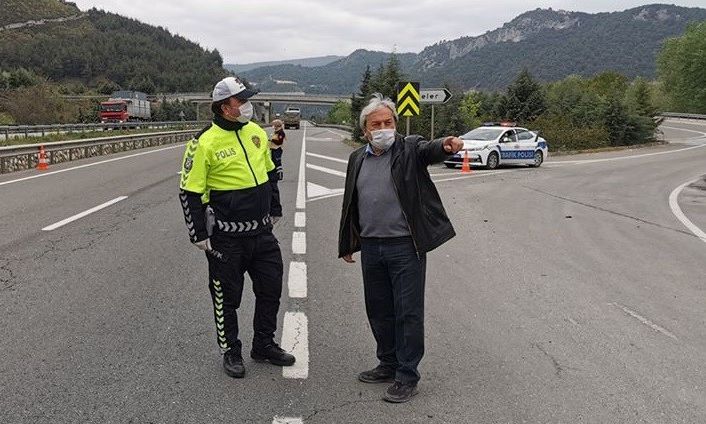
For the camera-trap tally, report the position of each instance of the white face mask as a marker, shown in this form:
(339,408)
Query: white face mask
(382,139)
(246,112)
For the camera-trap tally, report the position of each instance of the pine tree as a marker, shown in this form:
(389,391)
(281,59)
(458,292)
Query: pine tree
(358,102)
(525,99)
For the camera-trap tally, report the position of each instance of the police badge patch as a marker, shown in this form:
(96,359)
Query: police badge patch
(256,141)
(188,163)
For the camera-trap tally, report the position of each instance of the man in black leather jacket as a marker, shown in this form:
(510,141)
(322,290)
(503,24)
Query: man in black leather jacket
(393,214)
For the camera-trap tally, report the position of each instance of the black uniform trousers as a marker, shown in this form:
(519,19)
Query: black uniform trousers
(261,258)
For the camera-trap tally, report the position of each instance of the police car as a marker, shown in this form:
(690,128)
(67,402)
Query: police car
(492,145)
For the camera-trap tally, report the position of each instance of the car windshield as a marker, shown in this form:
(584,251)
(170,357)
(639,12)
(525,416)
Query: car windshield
(112,107)
(485,134)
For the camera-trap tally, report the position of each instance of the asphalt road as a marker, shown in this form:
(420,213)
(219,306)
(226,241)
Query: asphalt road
(573,293)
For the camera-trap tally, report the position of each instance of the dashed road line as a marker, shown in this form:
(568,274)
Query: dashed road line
(299,243)
(286,420)
(300,219)
(83,214)
(297,280)
(295,339)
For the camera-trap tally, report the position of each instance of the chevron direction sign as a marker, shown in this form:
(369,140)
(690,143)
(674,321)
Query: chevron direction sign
(408,99)
(435,95)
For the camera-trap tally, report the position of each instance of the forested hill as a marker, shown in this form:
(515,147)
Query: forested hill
(19,11)
(102,49)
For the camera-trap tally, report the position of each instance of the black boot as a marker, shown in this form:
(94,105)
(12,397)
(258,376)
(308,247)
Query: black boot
(400,392)
(273,354)
(233,363)
(378,374)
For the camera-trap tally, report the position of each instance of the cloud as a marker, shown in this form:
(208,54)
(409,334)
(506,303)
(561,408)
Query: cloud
(246,32)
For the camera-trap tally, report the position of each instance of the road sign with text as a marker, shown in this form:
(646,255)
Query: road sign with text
(408,99)
(435,95)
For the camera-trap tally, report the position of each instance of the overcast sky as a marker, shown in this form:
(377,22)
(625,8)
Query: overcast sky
(264,30)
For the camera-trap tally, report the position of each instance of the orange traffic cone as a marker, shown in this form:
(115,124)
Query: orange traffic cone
(43,164)
(466,167)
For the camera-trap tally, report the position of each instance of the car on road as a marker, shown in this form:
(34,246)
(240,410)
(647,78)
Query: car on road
(492,145)
(292,118)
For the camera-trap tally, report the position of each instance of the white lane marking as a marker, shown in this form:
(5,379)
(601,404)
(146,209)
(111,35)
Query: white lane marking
(484,174)
(314,155)
(684,129)
(326,170)
(295,339)
(319,193)
(287,420)
(299,243)
(301,183)
(297,281)
(676,210)
(337,134)
(46,174)
(83,214)
(300,219)
(316,199)
(320,139)
(443,174)
(645,321)
(315,190)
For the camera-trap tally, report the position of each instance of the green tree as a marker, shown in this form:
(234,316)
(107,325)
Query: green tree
(359,100)
(609,84)
(639,98)
(525,100)
(470,109)
(391,76)
(339,114)
(681,67)
(107,87)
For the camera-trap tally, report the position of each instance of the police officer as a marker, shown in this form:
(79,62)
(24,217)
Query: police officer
(230,200)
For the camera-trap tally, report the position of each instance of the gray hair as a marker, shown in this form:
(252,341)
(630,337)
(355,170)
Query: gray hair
(377,102)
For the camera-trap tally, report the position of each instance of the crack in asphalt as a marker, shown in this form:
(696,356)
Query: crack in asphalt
(598,208)
(341,406)
(558,369)
(7,282)
(298,330)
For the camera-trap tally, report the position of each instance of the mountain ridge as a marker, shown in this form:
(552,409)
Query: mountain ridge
(552,44)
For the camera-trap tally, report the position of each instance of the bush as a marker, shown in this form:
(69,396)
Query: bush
(561,135)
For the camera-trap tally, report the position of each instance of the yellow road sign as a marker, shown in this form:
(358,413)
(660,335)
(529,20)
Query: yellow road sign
(408,98)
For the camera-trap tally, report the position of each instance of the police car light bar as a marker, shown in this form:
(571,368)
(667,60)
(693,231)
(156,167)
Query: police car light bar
(499,124)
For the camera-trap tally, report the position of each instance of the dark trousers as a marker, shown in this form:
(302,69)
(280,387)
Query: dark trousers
(393,279)
(277,157)
(261,258)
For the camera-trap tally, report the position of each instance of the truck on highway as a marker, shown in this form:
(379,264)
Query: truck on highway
(292,118)
(125,106)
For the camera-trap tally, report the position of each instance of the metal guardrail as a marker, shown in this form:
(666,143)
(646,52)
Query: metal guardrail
(338,127)
(28,130)
(682,115)
(18,158)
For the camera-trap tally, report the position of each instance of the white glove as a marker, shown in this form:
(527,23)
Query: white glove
(204,245)
(275,219)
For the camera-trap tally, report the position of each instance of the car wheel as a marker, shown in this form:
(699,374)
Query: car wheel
(493,161)
(538,159)
(450,165)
